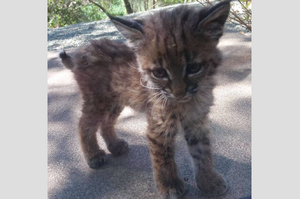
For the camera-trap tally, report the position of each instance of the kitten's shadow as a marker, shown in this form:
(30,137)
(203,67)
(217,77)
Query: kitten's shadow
(127,175)
(132,175)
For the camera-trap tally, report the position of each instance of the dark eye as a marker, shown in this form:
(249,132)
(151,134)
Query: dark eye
(193,68)
(159,73)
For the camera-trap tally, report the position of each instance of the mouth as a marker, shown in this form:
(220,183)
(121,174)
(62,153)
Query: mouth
(184,99)
(189,95)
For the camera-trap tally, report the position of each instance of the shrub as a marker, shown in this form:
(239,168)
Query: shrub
(67,12)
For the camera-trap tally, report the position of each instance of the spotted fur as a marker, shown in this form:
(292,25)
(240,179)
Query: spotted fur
(165,70)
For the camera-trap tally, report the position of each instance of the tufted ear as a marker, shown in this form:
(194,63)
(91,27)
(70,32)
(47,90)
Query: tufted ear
(132,30)
(212,25)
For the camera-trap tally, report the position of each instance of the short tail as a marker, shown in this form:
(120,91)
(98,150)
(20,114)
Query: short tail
(66,59)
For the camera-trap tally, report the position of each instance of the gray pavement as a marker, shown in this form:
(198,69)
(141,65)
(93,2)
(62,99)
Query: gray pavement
(130,176)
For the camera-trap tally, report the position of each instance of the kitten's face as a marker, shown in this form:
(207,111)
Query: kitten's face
(176,48)
(178,73)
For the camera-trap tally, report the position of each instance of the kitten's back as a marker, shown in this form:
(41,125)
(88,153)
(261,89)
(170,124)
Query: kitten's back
(102,67)
(98,53)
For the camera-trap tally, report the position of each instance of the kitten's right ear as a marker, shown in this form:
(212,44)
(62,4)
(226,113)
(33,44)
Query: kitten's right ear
(130,29)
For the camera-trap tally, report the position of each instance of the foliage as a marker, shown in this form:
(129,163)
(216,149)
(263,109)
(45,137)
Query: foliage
(170,2)
(67,12)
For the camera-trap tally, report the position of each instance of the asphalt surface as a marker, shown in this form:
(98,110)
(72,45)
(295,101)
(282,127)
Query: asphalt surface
(130,176)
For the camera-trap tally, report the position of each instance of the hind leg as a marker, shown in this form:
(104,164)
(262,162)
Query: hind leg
(88,126)
(114,144)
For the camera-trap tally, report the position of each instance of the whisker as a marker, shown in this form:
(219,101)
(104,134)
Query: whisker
(156,101)
(203,94)
(160,98)
(155,95)
(147,86)
(164,105)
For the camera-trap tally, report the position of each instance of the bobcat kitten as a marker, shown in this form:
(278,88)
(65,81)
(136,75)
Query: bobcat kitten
(166,70)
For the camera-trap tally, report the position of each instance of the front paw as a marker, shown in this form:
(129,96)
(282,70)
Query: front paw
(119,147)
(172,190)
(211,184)
(97,161)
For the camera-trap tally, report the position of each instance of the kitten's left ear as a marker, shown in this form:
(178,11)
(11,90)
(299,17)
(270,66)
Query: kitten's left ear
(212,25)
(130,29)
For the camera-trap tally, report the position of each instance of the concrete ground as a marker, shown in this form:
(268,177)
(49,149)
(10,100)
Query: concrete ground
(130,176)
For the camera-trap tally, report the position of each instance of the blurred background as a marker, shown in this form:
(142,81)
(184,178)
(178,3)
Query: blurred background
(66,12)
